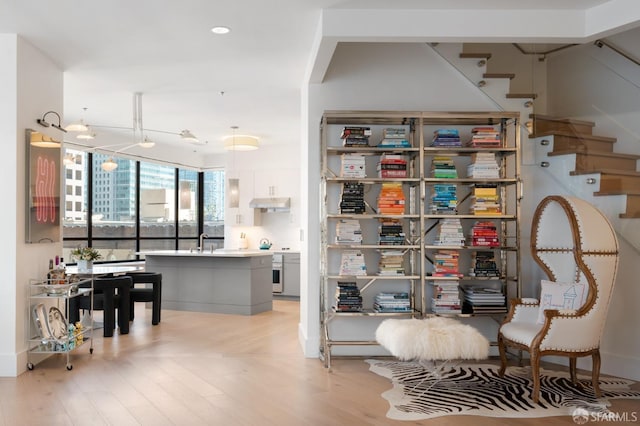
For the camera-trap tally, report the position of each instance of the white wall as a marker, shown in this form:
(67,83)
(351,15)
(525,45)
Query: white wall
(599,85)
(31,85)
(411,77)
(364,76)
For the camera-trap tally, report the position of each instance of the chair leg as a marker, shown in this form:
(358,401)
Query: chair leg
(535,375)
(503,355)
(131,309)
(123,310)
(572,370)
(595,374)
(155,305)
(109,312)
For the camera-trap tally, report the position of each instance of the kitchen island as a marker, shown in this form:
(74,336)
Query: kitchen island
(222,281)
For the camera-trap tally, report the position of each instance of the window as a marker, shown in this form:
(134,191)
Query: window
(157,200)
(168,197)
(114,217)
(187,203)
(214,203)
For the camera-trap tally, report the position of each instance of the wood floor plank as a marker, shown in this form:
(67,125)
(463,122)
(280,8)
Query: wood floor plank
(210,369)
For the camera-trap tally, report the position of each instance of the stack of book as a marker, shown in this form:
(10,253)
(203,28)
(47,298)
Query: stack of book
(446,264)
(450,233)
(481,300)
(484,137)
(392,166)
(485,200)
(444,199)
(394,137)
(446,297)
(443,167)
(392,302)
(391,262)
(354,136)
(483,264)
(348,298)
(348,232)
(352,263)
(446,138)
(391,198)
(483,166)
(352,198)
(353,166)
(390,232)
(484,234)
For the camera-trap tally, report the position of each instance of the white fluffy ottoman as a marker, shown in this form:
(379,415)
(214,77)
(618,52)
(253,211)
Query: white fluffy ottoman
(431,339)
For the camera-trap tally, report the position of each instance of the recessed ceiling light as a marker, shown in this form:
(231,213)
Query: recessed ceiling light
(220,30)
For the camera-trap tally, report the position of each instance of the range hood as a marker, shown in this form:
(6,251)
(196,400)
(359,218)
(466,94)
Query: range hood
(280,204)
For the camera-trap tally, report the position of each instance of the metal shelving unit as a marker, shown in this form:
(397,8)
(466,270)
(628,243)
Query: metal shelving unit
(418,249)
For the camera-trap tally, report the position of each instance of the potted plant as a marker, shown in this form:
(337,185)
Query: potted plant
(85,257)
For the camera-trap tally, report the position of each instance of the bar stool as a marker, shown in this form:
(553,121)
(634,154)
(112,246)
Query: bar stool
(151,294)
(110,294)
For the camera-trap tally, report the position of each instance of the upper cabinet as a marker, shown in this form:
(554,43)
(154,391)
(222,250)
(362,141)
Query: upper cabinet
(275,183)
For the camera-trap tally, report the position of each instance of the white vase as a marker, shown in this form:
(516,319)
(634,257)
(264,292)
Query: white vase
(85,266)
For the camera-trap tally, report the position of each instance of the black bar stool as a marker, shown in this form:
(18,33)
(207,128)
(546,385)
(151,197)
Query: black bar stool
(109,294)
(151,294)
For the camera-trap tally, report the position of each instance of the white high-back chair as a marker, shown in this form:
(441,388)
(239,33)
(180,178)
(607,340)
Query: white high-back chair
(573,242)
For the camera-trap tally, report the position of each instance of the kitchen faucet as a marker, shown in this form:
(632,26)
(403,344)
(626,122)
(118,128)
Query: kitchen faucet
(202,237)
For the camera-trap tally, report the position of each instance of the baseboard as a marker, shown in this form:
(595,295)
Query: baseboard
(9,364)
(612,365)
(620,366)
(310,347)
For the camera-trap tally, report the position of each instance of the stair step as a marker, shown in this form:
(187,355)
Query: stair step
(633,202)
(630,192)
(606,171)
(566,140)
(521,96)
(595,160)
(545,123)
(497,75)
(616,180)
(476,55)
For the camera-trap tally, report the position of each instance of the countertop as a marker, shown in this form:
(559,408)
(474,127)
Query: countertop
(208,253)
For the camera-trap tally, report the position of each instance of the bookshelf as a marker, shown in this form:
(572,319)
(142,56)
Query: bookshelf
(417,206)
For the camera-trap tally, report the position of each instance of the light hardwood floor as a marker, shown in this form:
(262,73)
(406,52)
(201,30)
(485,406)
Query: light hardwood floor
(210,369)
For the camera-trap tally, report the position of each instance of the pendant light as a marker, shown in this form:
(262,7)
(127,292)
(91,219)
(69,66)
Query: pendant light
(109,165)
(79,126)
(240,142)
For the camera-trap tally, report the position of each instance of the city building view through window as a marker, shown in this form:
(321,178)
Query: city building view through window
(138,206)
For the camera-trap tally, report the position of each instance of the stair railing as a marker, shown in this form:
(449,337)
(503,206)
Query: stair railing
(602,43)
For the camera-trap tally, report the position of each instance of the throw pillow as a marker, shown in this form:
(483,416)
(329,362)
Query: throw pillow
(561,296)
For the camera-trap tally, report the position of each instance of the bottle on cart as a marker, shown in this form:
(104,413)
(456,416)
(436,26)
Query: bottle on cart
(58,273)
(50,273)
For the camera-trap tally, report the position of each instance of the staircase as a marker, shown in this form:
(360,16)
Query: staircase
(593,155)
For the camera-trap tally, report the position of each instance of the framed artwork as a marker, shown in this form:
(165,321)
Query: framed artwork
(43,188)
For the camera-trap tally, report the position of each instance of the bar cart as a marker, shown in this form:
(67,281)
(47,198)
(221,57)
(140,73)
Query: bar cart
(49,310)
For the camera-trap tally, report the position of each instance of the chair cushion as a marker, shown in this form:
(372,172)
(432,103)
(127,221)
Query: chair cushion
(520,332)
(561,296)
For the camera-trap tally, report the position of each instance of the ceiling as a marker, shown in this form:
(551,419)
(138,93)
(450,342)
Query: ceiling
(193,79)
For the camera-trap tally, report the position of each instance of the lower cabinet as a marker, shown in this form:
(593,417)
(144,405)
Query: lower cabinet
(291,267)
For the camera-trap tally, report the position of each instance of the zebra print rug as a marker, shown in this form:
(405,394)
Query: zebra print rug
(477,389)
